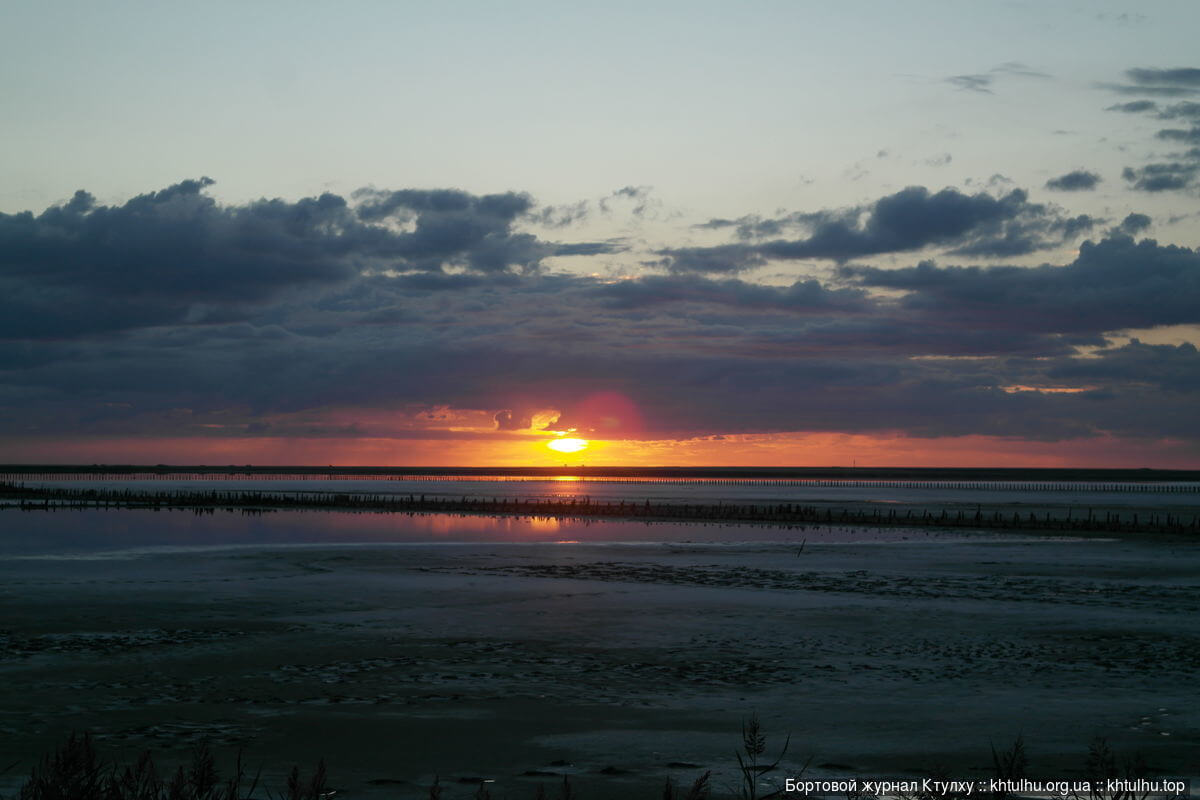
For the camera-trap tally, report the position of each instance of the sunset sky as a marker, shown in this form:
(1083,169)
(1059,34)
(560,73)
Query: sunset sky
(777,233)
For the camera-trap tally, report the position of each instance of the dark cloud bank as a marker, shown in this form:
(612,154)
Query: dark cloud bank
(177,256)
(175,315)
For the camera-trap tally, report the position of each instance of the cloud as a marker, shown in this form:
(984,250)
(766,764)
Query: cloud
(911,219)
(1163,177)
(653,290)
(1184,110)
(1076,181)
(753,226)
(356,329)
(1167,368)
(1181,172)
(561,216)
(972,83)
(1150,91)
(1018,68)
(773,372)
(507,421)
(1132,225)
(1179,76)
(1191,136)
(1152,82)
(639,196)
(588,248)
(637,201)
(1112,285)
(1134,107)
(452,228)
(178,243)
(177,255)
(982,83)
(728,259)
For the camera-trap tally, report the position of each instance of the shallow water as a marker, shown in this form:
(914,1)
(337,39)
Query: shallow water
(611,662)
(603,645)
(97,531)
(992,493)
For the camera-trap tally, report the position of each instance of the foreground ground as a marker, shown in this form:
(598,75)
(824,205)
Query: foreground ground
(618,664)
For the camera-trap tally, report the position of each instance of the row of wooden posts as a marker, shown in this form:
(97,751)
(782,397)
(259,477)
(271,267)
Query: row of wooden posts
(46,498)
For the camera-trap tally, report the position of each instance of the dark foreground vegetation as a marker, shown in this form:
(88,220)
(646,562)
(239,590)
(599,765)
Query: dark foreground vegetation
(37,498)
(76,771)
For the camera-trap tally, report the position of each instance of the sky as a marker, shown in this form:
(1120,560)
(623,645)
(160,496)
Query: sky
(769,233)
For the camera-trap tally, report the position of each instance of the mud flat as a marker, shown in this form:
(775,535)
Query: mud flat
(617,662)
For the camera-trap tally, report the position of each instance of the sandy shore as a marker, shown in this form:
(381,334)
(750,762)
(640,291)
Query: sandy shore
(618,663)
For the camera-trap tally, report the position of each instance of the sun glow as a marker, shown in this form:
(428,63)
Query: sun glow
(567,445)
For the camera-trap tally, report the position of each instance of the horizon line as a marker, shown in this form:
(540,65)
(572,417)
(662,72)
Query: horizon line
(596,471)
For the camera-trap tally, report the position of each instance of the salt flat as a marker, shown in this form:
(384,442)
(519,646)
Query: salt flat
(616,660)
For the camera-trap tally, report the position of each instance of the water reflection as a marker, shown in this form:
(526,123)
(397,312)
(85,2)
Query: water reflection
(565,487)
(24,533)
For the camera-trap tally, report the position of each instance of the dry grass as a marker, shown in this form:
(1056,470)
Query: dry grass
(75,771)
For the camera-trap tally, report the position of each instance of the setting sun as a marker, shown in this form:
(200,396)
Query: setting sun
(567,445)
